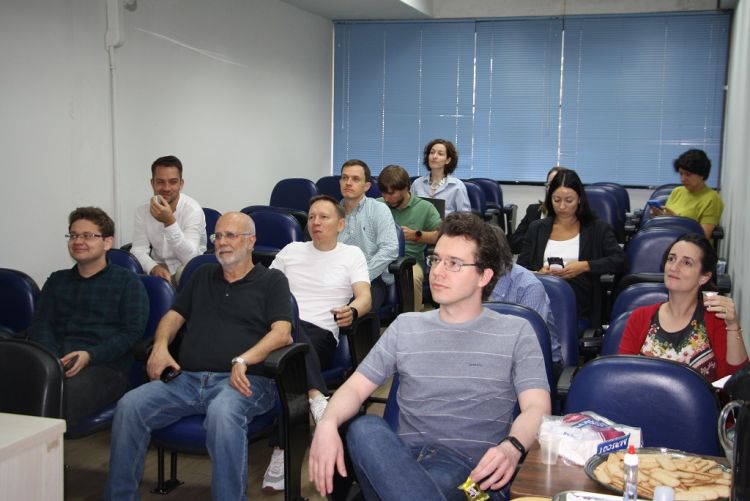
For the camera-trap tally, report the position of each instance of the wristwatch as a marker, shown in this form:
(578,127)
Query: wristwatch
(355,314)
(418,234)
(517,444)
(239,360)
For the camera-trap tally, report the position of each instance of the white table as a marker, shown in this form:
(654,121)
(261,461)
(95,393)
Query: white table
(31,457)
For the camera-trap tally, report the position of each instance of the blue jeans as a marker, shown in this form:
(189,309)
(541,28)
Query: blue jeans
(155,405)
(388,469)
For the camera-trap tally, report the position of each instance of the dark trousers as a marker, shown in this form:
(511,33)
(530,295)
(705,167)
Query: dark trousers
(91,390)
(378,291)
(321,353)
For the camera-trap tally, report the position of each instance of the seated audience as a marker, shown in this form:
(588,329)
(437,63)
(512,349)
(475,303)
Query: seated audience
(703,333)
(694,199)
(170,229)
(237,313)
(441,159)
(534,212)
(369,226)
(580,246)
(452,425)
(418,219)
(91,316)
(323,275)
(519,286)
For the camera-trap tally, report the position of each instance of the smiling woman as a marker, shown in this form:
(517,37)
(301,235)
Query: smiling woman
(704,335)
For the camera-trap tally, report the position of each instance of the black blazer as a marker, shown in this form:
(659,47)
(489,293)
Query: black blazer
(598,246)
(518,236)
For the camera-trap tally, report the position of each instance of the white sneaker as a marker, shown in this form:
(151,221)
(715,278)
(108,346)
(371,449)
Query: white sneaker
(318,407)
(273,480)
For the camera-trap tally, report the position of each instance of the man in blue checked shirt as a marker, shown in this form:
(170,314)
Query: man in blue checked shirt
(369,226)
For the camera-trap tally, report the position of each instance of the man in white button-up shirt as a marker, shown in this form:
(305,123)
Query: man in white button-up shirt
(170,229)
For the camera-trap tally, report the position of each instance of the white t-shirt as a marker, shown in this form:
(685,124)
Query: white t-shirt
(568,250)
(321,280)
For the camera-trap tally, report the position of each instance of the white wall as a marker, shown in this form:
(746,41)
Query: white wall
(240,90)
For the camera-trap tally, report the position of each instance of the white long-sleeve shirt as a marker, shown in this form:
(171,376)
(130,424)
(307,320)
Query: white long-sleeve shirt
(174,245)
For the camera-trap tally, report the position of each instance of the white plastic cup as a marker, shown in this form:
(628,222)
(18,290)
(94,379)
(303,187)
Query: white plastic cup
(549,445)
(663,493)
(708,294)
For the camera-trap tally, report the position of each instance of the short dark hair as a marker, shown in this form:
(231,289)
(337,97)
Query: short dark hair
(568,178)
(326,198)
(393,177)
(709,258)
(95,215)
(695,161)
(354,162)
(490,254)
(450,150)
(167,161)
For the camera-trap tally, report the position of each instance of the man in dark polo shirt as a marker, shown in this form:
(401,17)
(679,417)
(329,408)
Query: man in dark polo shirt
(236,313)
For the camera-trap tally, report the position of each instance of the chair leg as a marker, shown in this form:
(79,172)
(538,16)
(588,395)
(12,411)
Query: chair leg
(165,487)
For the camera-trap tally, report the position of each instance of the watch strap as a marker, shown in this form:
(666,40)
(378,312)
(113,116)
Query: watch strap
(517,444)
(355,314)
(239,360)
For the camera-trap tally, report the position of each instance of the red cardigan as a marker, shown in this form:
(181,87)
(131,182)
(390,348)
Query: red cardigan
(637,328)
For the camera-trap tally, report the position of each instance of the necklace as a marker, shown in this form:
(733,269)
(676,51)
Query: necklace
(434,186)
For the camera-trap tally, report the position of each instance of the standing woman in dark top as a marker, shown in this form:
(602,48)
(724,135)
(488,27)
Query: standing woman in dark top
(534,212)
(587,245)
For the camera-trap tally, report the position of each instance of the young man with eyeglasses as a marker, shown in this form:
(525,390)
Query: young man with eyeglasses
(91,316)
(170,229)
(462,368)
(369,226)
(237,313)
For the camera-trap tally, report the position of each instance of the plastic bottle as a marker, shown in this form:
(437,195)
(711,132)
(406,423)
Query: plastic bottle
(630,492)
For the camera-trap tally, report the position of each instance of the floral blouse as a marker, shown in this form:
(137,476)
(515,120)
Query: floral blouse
(689,346)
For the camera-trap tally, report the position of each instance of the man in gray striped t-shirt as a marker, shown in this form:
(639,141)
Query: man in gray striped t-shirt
(462,368)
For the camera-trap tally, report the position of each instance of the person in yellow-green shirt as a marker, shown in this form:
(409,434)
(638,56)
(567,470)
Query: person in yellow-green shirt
(694,199)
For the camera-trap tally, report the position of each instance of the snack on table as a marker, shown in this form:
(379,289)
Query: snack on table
(691,477)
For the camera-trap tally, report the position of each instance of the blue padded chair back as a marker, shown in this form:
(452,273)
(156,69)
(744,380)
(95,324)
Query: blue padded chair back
(329,185)
(390,413)
(620,193)
(125,259)
(31,379)
(274,230)
(646,249)
(540,329)
(674,406)
(194,264)
(604,205)
(18,297)
(390,307)
(664,189)
(374,191)
(640,294)
(492,191)
(476,198)
(294,193)
(211,215)
(613,335)
(647,209)
(563,304)
(685,224)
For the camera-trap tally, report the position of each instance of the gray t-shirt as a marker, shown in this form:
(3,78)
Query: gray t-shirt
(458,382)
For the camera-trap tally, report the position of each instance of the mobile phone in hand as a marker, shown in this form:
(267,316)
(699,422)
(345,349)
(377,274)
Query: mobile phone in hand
(70,363)
(654,203)
(555,263)
(169,374)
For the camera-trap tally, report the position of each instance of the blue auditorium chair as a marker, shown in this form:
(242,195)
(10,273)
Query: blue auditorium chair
(19,294)
(286,366)
(329,185)
(493,194)
(619,191)
(605,206)
(685,224)
(212,216)
(125,259)
(273,231)
(673,405)
(639,294)
(161,296)
(478,201)
(646,249)
(614,332)
(293,193)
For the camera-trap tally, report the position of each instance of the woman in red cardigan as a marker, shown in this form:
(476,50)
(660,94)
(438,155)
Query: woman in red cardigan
(705,335)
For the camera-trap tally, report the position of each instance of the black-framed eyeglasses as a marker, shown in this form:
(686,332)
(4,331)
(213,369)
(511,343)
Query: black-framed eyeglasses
(451,264)
(87,236)
(229,235)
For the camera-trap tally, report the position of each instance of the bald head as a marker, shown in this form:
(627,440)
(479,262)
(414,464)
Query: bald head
(235,239)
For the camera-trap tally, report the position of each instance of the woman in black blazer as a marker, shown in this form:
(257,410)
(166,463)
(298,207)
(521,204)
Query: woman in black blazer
(570,231)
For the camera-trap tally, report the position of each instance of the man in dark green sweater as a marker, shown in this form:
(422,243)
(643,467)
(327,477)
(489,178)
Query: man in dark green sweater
(90,316)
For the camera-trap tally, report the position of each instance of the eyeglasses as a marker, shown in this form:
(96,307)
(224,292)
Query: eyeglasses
(72,237)
(450,264)
(229,235)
